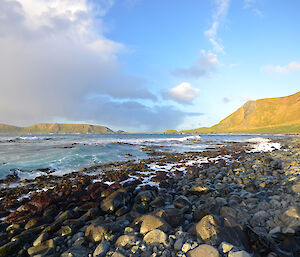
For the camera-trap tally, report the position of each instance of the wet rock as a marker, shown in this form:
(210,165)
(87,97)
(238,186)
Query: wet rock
(32,223)
(199,190)
(96,232)
(182,202)
(116,200)
(291,217)
(66,230)
(214,230)
(155,237)
(76,251)
(157,202)
(151,222)
(145,196)
(43,200)
(203,251)
(186,247)
(178,244)
(225,247)
(228,211)
(41,238)
(296,188)
(259,218)
(64,216)
(45,247)
(126,241)
(172,216)
(10,248)
(101,249)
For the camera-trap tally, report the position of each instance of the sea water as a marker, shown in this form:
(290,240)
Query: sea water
(26,155)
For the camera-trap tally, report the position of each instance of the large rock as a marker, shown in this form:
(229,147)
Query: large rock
(45,247)
(203,251)
(155,237)
(96,232)
(172,216)
(199,190)
(10,248)
(101,249)
(291,217)
(126,241)
(116,200)
(296,188)
(151,222)
(182,202)
(214,230)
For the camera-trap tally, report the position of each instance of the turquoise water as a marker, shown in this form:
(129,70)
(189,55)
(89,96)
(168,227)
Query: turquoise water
(26,154)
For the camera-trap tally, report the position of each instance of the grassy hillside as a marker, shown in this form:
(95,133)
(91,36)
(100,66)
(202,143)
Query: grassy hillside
(171,131)
(270,115)
(9,129)
(55,128)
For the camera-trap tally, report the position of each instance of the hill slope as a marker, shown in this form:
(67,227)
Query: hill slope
(269,115)
(9,129)
(55,128)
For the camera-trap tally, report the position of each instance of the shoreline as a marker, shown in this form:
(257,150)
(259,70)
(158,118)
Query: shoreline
(185,192)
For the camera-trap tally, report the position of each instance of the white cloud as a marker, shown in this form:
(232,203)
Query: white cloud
(183,93)
(203,66)
(287,69)
(56,63)
(227,99)
(218,16)
(246,98)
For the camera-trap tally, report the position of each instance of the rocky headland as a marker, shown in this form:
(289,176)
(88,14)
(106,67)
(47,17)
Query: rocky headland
(227,201)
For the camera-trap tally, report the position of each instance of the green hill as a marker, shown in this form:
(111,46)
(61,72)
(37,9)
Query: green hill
(9,129)
(269,115)
(55,128)
(171,131)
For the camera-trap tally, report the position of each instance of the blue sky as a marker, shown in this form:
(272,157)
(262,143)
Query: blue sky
(144,65)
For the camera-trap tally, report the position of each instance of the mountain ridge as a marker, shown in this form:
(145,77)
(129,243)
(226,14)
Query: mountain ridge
(267,115)
(56,128)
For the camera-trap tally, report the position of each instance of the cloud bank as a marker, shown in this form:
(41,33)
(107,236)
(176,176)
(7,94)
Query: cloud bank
(287,69)
(203,66)
(56,63)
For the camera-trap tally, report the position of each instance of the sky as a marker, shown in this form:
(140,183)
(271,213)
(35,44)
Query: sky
(140,65)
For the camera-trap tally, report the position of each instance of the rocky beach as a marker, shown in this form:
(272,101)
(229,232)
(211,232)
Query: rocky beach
(234,200)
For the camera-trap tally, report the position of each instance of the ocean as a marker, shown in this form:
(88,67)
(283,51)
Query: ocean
(33,155)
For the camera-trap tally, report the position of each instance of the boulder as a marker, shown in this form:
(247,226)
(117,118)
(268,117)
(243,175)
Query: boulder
(151,222)
(116,200)
(203,251)
(101,249)
(10,248)
(199,190)
(172,216)
(44,247)
(126,241)
(96,232)
(291,217)
(182,202)
(214,230)
(155,237)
